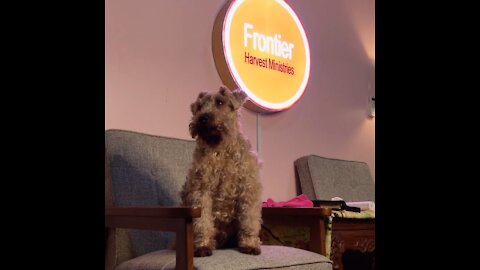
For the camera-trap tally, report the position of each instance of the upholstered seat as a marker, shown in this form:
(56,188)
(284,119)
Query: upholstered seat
(272,257)
(148,171)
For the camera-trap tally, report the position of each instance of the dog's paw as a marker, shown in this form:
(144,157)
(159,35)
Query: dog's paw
(250,250)
(202,252)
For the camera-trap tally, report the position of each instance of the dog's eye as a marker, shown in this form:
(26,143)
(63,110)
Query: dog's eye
(219,102)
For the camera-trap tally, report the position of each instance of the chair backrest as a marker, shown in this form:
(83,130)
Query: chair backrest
(145,170)
(324,178)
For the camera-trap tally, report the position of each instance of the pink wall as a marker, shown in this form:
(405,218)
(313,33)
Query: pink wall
(158,57)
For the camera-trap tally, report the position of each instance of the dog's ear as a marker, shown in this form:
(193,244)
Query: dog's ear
(194,107)
(234,103)
(192,130)
(238,99)
(224,91)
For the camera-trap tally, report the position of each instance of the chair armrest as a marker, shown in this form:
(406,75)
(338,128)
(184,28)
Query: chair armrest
(174,219)
(314,218)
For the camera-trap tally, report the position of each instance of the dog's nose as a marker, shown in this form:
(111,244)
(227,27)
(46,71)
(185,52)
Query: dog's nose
(203,119)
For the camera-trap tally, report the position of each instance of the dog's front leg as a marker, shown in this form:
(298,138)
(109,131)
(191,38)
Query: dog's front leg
(203,227)
(250,220)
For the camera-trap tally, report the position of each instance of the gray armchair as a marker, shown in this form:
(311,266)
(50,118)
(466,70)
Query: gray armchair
(323,178)
(352,237)
(143,177)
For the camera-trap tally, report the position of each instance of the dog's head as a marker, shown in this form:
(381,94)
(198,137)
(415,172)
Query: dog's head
(215,115)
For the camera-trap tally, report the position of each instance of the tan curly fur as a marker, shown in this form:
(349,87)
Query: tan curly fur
(223,178)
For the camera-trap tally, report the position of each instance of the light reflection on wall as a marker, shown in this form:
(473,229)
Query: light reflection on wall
(357,11)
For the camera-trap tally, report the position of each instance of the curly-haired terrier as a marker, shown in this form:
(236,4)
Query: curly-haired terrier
(223,178)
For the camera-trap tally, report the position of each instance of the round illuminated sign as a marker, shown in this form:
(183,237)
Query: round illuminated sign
(266,52)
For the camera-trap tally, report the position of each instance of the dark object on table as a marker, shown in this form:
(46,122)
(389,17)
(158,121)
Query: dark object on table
(335,205)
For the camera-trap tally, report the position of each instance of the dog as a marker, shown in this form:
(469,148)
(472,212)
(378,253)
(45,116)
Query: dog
(224,176)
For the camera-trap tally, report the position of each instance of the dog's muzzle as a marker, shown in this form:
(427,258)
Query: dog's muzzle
(208,130)
(203,119)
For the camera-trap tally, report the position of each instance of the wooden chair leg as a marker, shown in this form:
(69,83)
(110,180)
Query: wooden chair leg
(317,237)
(184,246)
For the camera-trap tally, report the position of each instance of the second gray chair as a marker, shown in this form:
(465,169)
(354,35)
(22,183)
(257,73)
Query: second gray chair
(324,178)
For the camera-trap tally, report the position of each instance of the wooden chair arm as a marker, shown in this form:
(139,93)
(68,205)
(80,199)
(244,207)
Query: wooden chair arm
(314,218)
(174,219)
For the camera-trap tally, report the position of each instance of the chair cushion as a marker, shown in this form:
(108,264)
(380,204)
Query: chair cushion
(272,257)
